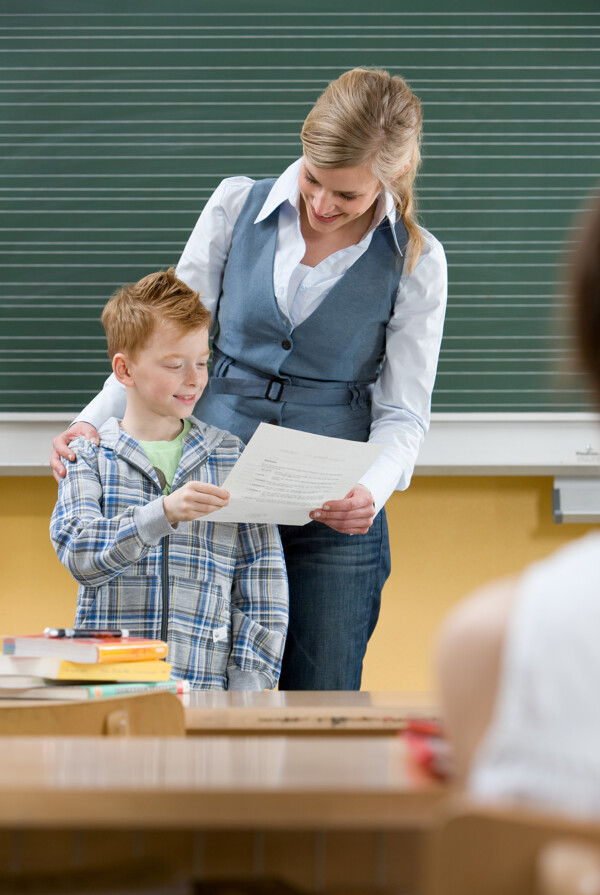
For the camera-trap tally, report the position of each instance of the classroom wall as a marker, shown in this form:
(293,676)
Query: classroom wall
(448,535)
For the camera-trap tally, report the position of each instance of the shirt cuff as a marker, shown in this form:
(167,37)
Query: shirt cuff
(393,469)
(383,478)
(247,680)
(151,522)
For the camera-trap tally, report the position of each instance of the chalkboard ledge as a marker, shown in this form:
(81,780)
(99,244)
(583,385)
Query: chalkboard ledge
(457,443)
(511,444)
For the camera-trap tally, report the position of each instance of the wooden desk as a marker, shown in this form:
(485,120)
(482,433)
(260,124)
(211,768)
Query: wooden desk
(289,712)
(249,782)
(316,812)
(140,714)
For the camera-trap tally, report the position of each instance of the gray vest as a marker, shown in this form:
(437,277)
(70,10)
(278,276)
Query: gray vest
(316,376)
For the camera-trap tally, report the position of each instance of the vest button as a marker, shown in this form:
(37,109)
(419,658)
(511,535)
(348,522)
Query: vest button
(274,422)
(286,344)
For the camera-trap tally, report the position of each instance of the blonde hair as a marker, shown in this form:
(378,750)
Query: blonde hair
(367,117)
(134,311)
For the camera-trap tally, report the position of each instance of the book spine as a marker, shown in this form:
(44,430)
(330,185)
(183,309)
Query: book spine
(134,672)
(107,691)
(130,654)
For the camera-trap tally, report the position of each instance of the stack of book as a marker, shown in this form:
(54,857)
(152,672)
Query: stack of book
(76,664)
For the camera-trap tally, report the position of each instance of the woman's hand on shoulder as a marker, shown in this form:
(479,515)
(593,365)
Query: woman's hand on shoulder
(353,515)
(60,447)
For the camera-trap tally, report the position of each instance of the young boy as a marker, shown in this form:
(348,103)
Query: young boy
(132,520)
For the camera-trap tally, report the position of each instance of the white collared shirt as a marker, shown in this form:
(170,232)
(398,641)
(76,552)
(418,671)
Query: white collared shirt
(402,393)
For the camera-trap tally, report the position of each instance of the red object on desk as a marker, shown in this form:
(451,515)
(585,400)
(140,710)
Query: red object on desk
(425,726)
(428,748)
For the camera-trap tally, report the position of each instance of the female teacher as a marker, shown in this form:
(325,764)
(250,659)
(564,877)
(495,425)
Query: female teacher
(329,302)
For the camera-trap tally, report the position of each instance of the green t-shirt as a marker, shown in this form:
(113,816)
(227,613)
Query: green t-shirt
(165,456)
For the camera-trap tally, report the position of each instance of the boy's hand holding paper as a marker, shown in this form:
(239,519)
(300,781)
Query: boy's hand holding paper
(192,501)
(283,474)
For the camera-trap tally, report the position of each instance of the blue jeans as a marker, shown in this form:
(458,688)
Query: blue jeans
(335,594)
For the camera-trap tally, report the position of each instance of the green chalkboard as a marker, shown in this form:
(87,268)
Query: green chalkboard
(118,119)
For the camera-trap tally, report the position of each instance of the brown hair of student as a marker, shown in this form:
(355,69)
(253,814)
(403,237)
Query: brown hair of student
(137,309)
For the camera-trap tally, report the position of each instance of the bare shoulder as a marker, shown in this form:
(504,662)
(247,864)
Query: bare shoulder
(482,615)
(468,664)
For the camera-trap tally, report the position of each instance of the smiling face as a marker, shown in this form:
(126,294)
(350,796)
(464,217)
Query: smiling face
(335,198)
(164,381)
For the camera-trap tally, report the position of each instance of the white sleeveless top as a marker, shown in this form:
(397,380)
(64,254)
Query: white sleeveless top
(543,745)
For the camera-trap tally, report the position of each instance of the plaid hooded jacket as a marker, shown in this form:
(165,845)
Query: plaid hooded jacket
(216,592)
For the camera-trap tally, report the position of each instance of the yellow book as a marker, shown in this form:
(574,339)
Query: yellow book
(17,671)
(151,670)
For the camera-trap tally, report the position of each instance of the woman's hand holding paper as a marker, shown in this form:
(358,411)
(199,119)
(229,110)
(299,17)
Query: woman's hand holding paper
(352,515)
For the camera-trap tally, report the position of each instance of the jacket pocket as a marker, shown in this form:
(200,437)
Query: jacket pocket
(199,632)
(86,615)
(128,601)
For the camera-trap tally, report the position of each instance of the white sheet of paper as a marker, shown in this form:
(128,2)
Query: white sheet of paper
(283,474)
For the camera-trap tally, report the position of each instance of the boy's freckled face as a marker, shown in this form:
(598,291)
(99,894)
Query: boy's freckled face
(170,372)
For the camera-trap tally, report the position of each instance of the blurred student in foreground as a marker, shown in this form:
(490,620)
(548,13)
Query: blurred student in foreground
(519,661)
